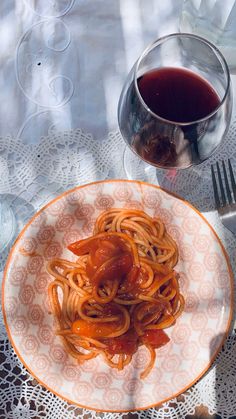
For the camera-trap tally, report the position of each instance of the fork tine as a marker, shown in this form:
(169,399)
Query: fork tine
(228,193)
(221,185)
(231,174)
(215,189)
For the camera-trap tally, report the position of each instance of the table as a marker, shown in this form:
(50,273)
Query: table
(63,64)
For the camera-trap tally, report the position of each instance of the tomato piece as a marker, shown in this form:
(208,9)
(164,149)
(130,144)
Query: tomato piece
(90,270)
(90,267)
(116,242)
(103,253)
(155,338)
(132,277)
(82,247)
(106,249)
(94,330)
(125,344)
(115,267)
(133,280)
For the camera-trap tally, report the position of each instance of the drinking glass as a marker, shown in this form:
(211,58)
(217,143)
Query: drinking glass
(7,223)
(167,142)
(215,21)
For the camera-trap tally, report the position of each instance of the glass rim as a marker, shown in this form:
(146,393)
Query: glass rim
(159,41)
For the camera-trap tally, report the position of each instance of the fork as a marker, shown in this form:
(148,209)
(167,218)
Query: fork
(225,200)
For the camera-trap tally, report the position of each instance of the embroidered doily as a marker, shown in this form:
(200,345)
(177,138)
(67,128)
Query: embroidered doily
(32,176)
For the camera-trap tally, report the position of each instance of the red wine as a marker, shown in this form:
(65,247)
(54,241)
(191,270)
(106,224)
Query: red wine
(177,94)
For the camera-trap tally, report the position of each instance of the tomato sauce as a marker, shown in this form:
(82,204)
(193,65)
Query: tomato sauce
(93,330)
(125,344)
(155,338)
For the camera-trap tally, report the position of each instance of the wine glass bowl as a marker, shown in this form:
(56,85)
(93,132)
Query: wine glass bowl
(176,104)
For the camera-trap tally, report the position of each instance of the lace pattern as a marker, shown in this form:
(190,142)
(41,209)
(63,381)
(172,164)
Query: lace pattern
(33,175)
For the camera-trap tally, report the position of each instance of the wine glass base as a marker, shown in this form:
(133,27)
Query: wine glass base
(7,225)
(137,169)
(179,181)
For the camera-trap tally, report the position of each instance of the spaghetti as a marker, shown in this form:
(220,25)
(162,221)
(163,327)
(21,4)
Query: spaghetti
(120,293)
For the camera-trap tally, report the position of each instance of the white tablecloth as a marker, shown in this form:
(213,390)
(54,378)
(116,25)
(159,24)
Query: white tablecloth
(63,64)
(67,72)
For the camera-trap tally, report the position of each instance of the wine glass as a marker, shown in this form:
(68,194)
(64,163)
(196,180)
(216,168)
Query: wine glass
(175,107)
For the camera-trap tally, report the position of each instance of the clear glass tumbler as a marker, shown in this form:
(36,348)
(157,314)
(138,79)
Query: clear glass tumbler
(7,224)
(215,20)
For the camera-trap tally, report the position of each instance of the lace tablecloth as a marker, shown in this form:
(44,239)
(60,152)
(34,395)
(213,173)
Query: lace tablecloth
(48,88)
(32,176)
